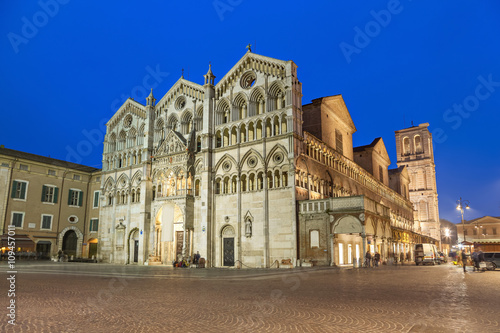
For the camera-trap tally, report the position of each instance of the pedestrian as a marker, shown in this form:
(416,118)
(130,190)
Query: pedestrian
(368,258)
(408,256)
(475,259)
(60,256)
(377,258)
(401,257)
(196,257)
(464,259)
(481,258)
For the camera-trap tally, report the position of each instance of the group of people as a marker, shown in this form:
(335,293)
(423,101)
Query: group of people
(372,260)
(477,257)
(182,262)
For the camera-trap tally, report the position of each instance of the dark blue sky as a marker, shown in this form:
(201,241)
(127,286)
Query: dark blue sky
(66,66)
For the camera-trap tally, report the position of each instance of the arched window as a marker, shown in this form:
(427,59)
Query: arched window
(197,187)
(418,144)
(406,146)
(226,185)
(260,181)
(218,140)
(269,179)
(226,138)
(234,184)
(217,186)
(251,182)
(243,134)
(243,183)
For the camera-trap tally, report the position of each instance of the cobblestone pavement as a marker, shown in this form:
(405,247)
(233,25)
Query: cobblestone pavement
(77,297)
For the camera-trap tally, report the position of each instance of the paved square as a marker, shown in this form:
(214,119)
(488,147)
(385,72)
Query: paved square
(76,297)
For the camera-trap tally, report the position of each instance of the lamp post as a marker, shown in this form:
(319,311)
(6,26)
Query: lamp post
(460,206)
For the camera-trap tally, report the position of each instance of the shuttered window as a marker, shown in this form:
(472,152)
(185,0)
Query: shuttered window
(75,198)
(19,189)
(49,194)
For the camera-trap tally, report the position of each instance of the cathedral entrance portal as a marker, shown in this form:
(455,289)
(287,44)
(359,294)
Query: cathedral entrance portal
(169,235)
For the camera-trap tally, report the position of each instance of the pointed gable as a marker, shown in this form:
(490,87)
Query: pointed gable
(174,143)
(129,106)
(182,87)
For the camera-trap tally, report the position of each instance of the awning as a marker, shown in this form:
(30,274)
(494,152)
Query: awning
(487,241)
(22,241)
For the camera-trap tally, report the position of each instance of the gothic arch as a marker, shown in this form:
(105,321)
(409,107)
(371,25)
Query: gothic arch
(123,177)
(277,147)
(222,160)
(276,87)
(109,183)
(247,155)
(135,178)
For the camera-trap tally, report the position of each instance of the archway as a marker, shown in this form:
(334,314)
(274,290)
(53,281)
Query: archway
(69,243)
(346,241)
(169,239)
(133,246)
(227,236)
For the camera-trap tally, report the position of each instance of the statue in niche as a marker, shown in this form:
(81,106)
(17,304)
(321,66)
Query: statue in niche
(248,228)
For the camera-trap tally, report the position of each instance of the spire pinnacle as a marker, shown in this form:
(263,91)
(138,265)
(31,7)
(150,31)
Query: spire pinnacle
(151,99)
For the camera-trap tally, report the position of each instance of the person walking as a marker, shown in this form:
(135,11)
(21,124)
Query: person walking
(377,258)
(475,259)
(464,259)
(368,259)
(481,258)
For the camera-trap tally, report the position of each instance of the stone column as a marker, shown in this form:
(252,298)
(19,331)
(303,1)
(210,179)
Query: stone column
(332,250)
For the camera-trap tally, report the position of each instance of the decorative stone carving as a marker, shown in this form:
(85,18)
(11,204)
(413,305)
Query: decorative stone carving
(362,217)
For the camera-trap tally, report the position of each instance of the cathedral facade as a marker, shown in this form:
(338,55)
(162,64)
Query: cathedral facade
(242,173)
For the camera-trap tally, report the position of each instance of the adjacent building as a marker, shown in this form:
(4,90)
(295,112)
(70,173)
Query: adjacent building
(52,204)
(483,232)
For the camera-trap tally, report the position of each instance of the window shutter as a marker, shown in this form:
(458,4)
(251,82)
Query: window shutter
(44,192)
(96,199)
(96,225)
(23,190)
(56,193)
(14,188)
(69,197)
(80,198)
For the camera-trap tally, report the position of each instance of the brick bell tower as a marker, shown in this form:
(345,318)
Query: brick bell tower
(414,150)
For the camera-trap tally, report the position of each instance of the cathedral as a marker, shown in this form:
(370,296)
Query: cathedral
(243,173)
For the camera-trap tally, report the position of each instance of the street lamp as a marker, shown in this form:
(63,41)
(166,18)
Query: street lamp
(460,206)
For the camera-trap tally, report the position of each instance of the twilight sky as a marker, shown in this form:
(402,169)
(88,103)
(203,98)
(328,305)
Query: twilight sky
(66,67)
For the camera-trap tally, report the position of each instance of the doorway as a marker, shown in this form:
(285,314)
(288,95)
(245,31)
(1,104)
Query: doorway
(93,248)
(136,250)
(69,243)
(43,249)
(229,251)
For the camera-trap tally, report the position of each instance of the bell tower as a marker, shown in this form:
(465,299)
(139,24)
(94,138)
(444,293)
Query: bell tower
(414,150)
